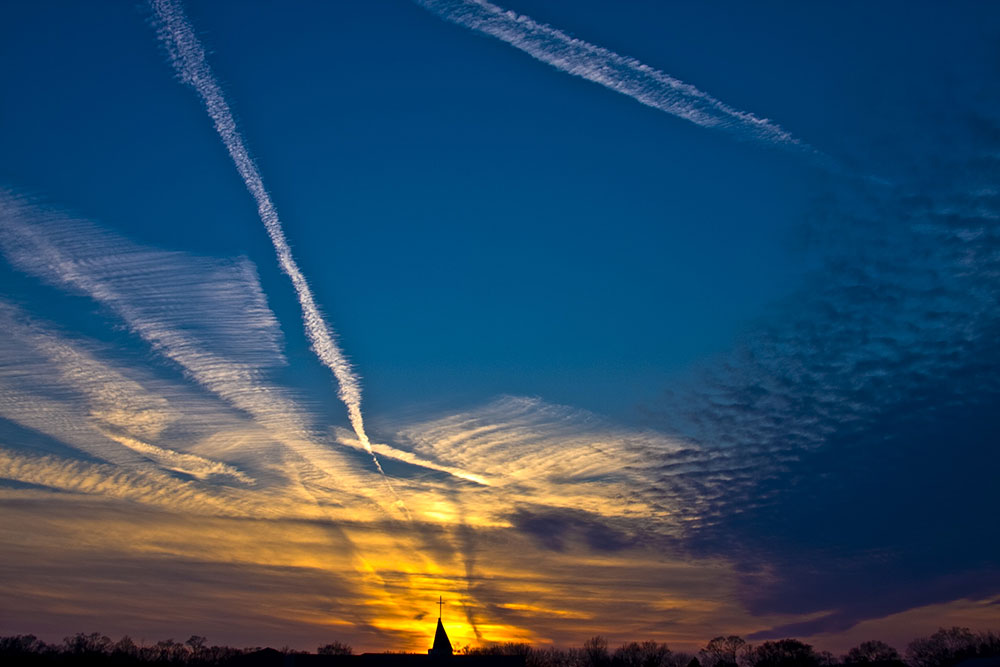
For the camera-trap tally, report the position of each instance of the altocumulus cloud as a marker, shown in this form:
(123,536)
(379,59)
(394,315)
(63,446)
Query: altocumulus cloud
(844,456)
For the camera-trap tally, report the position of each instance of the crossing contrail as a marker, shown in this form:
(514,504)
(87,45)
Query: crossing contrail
(188,58)
(619,73)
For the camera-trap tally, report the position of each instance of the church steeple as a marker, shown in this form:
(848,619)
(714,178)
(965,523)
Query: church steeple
(442,645)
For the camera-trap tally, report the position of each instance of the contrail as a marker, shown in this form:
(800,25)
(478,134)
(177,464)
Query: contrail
(188,58)
(619,73)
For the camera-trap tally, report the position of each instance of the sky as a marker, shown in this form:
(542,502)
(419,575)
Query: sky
(651,320)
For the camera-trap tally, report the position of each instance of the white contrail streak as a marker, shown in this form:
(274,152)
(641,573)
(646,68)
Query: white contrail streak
(188,58)
(619,73)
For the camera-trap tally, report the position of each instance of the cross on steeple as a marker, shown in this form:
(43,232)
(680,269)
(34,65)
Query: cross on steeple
(442,645)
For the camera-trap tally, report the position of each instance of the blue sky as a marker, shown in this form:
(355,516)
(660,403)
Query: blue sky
(517,268)
(635,334)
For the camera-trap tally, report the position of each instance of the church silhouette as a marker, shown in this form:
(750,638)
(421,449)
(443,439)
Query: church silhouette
(442,645)
(441,654)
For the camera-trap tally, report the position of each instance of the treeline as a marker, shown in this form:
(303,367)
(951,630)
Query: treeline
(95,648)
(945,648)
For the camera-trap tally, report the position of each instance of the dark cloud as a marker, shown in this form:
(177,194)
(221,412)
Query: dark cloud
(844,458)
(555,529)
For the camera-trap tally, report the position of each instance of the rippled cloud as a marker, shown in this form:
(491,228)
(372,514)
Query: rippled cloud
(840,455)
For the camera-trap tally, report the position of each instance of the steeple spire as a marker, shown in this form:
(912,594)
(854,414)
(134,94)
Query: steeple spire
(442,645)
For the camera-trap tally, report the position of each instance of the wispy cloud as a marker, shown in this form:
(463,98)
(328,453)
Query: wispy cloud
(110,481)
(188,58)
(190,464)
(207,316)
(533,452)
(619,73)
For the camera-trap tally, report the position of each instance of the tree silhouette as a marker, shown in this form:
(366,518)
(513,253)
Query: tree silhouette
(872,652)
(195,643)
(783,653)
(335,648)
(595,651)
(724,652)
(950,646)
(125,648)
(646,654)
(21,645)
(826,659)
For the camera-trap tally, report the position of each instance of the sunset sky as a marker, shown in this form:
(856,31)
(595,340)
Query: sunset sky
(661,320)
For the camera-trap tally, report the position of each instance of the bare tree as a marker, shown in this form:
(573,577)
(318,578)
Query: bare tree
(22,645)
(196,643)
(167,650)
(82,642)
(783,653)
(550,657)
(871,653)
(502,648)
(335,648)
(722,651)
(646,654)
(949,646)
(125,647)
(595,652)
